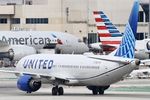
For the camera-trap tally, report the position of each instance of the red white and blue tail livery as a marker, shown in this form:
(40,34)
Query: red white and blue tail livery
(107,32)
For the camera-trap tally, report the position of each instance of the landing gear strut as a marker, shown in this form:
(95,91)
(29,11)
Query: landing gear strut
(57,90)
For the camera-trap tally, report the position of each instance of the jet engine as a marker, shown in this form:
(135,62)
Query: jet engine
(79,48)
(28,83)
(16,52)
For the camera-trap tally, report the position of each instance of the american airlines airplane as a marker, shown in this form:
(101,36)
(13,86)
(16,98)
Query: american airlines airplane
(110,37)
(17,44)
(94,71)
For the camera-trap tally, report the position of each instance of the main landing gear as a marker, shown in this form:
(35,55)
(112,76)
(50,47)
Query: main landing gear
(98,89)
(57,90)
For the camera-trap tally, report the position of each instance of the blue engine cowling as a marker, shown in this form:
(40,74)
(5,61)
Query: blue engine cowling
(28,84)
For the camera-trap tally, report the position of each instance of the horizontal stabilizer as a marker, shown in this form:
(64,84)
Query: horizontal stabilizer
(112,59)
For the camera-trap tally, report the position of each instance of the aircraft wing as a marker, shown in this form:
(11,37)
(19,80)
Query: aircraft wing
(21,73)
(39,75)
(112,58)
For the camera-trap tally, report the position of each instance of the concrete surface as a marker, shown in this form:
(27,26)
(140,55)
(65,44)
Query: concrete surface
(129,89)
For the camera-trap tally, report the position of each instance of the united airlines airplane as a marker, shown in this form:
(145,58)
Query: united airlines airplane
(94,71)
(110,37)
(17,44)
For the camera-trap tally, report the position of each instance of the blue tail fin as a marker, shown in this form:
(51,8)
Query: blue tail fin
(127,46)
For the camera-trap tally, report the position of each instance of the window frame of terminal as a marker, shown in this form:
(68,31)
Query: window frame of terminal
(36,20)
(3,20)
(15,20)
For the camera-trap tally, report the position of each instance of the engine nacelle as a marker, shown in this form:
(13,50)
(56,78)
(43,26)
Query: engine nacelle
(28,84)
(76,48)
(16,52)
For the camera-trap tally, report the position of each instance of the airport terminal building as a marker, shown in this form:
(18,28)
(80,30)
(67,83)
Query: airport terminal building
(71,16)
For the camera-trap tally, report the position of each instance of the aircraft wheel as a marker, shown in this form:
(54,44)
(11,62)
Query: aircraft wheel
(60,91)
(94,91)
(101,91)
(28,92)
(54,91)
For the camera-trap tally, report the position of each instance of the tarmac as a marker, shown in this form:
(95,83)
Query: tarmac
(128,89)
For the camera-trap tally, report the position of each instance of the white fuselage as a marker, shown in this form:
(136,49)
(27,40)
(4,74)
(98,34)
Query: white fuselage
(78,69)
(30,38)
(24,43)
(39,39)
